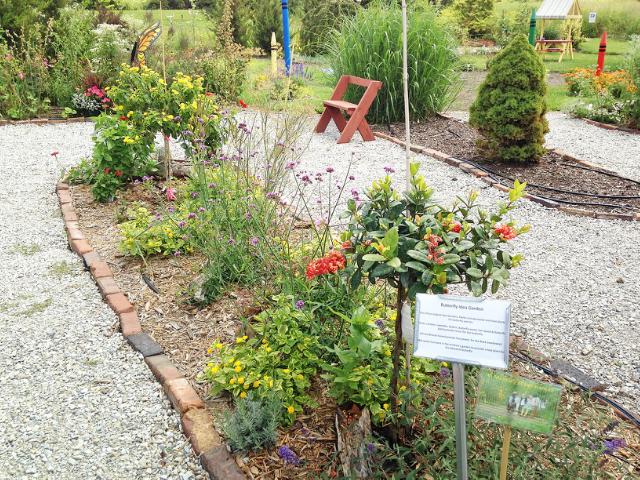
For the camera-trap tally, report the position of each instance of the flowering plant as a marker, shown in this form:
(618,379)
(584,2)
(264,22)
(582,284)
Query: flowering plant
(584,82)
(331,263)
(92,101)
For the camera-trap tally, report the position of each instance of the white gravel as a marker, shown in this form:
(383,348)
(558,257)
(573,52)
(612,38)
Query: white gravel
(576,295)
(612,149)
(77,402)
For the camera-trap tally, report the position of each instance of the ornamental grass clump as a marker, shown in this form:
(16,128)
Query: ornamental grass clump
(510,108)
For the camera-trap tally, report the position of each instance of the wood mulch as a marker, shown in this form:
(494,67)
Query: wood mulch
(553,177)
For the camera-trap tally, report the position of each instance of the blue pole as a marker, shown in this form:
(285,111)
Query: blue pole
(287,39)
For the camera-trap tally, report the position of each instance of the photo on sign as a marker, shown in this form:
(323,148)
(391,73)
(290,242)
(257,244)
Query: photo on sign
(511,400)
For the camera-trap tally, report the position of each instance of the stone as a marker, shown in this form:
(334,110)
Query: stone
(198,428)
(218,463)
(145,344)
(182,395)
(568,371)
(162,368)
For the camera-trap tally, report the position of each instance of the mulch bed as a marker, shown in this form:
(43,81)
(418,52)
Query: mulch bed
(554,177)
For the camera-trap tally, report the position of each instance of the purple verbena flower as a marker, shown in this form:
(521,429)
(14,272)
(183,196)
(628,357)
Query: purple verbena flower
(191,215)
(201,209)
(177,253)
(254,241)
(194,194)
(371,448)
(445,372)
(288,455)
(388,169)
(330,170)
(300,304)
(351,177)
(181,224)
(613,444)
(232,241)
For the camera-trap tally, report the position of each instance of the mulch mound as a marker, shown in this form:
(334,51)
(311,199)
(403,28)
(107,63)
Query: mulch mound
(553,177)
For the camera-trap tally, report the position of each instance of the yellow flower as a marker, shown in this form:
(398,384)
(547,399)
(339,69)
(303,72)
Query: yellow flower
(256,384)
(219,346)
(393,316)
(403,388)
(210,350)
(130,113)
(243,394)
(241,339)
(300,377)
(268,349)
(238,368)
(270,383)
(444,364)
(286,371)
(385,406)
(128,140)
(232,381)
(290,409)
(247,385)
(265,341)
(215,369)
(240,380)
(194,105)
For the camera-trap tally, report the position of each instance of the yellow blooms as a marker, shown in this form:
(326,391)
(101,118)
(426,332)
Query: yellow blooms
(300,377)
(238,368)
(240,380)
(243,394)
(385,406)
(241,339)
(232,381)
(219,346)
(256,384)
(268,349)
(290,409)
(286,371)
(130,113)
(194,105)
(215,369)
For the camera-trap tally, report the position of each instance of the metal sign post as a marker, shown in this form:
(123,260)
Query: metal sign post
(461,420)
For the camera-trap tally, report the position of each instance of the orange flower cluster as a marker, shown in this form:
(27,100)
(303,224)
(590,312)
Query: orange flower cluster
(583,78)
(506,232)
(330,263)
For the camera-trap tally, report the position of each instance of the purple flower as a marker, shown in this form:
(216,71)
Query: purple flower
(355,194)
(201,209)
(194,194)
(181,224)
(171,209)
(177,253)
(371,448)
(280,144)
(445,372)
(300,304)
(273,195)
(291,165)
(232,241)
(212,185)
(288,455)
(254,241)
(610,446)
(389,169)
(306,179)
(191,215)
(351,177)
(330,170)
(248,216)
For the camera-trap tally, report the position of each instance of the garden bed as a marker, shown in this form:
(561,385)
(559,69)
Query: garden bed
(555,177)
(186,332)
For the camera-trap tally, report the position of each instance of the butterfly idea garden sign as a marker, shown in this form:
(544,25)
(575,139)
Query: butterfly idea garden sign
(462,330)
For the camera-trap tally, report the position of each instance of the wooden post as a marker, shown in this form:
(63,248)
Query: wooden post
(504,460)
(274,54)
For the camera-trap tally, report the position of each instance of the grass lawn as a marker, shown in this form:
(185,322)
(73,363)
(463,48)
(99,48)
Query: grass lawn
(317,87)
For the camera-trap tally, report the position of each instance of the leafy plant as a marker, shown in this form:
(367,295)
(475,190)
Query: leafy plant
(253,424)
(510,108)
(319,20)
(474,15)
(369,45)
(417,246)
(280,359)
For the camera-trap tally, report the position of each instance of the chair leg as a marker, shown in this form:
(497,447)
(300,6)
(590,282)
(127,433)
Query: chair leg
(349,130)
(365,131)
(338,119)
(325,118)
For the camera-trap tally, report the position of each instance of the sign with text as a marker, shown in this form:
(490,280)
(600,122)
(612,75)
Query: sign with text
(466,330)
(517,402)
(592,17)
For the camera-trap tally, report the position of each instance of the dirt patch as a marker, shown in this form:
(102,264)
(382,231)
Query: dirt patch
(558,179)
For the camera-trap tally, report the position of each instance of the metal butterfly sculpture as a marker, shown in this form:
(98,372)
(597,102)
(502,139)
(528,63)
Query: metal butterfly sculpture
(144,41)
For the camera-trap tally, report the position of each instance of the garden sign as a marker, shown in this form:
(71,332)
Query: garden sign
(462,330)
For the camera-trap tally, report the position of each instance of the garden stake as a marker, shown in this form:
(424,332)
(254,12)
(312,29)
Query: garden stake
(504,461)
(164,67)
(397,347)
(287,41)
(532,28)
(601,52)
(405,89)
(461,421)
(274,54)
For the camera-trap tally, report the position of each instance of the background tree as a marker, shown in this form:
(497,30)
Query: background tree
(15,15)
(510,109)
(474,15)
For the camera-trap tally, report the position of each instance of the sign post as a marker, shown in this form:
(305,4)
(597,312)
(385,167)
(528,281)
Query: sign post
(462,330)
(592,17)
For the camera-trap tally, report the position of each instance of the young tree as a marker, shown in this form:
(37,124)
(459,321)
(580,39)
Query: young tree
(510,108)
(24,13)
(474,15)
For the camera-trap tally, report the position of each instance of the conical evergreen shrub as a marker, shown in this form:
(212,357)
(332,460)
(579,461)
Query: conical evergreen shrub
(510,108)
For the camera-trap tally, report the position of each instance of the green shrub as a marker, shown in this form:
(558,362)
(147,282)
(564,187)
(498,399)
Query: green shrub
(26,14)
(633,67)
(369,45)
(319,20)
(474,15)
(510,108)
(254,423)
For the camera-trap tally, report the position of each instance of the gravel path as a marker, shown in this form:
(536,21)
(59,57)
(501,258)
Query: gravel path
(575,296)
(617,151)
(78,403)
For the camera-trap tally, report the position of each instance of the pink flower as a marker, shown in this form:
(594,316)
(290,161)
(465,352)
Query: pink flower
(55,153)
(171,194)
(21,75)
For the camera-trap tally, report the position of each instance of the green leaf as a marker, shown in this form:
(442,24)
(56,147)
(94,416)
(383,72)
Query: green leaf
(416,288)
(381,270)
(450,258)
(476,288)
(416,266)
(394,262)
(418,255)
(356,279)
(373,257)
(465,245)
(427,277)
(474,272)
(495,285)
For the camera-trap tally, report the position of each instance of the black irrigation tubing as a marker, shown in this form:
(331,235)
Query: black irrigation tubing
(626,413)
(561,190)
(497,176)
(603,172)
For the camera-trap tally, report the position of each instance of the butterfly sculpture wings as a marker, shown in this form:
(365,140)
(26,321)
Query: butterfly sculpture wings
(144,41)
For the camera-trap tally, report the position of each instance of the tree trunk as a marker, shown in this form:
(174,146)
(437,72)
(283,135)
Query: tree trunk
(167,158)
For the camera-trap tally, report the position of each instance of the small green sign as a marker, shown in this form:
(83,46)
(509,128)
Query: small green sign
(518,402)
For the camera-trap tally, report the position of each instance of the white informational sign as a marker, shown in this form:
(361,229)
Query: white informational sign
(468,330)
(592,17)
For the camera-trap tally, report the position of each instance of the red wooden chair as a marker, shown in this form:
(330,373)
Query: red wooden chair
(356,113)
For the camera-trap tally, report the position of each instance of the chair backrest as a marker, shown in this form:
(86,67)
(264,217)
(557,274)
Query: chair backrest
(346,80)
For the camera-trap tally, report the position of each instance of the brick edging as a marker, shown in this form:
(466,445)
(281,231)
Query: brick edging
(197,423)
(46,121)
(608,126)
(484,176)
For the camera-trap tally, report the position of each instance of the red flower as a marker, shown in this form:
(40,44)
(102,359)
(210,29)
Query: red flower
(347,245)
(330,263)
(506,232)
(118,173)
(456,227)
(123,118)
(209,94)
(107,171)
(242,104)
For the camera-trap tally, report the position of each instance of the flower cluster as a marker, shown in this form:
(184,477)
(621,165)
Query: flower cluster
(330,263)
(435,253)
(506,232)
(288,455)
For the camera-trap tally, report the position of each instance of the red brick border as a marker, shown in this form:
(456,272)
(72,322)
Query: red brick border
(46,121)
(197,423)
(608,126)
(482,175)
